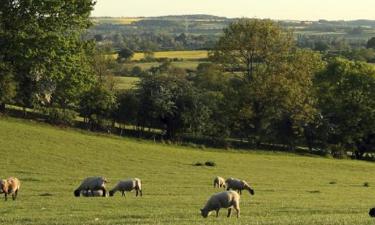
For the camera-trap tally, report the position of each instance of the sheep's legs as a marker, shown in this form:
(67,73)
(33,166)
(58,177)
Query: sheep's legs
(14,196)
(217,212)
(238,211)
(104,192)
(140,191)
(229,212)
(5,196)
(123,194)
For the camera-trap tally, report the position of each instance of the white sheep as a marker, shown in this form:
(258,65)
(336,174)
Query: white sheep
(219,182)
(10,186)
(227,199)
(98,193)
(128,185)
(238,185)
(92,184)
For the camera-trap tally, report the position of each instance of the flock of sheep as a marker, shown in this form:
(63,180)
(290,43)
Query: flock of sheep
(96,186)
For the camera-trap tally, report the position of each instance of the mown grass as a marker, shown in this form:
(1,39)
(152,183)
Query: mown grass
(289,189)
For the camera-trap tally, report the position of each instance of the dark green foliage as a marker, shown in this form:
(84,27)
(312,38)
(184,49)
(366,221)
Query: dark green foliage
(371,43)
(346,93)
(97,105)
(125,54)
(59,116)
(7,85)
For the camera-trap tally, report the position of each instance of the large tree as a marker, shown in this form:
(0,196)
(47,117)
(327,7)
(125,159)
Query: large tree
(247,44)
(272,96)
(42,42)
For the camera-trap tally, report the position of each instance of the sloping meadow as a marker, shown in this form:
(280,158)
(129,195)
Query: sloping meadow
(289,189)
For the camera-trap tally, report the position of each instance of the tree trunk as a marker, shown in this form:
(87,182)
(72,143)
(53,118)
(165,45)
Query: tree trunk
(2,107)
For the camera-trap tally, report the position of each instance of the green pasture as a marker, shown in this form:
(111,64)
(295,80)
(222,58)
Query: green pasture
(289,189)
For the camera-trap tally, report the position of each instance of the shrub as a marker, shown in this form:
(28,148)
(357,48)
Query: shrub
(210,163)
(338,152)
(59,116)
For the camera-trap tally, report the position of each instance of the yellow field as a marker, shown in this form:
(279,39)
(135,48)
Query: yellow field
(187,55)
(118,20)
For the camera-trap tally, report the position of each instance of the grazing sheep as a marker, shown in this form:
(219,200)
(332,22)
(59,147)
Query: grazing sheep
(10,186)
(92,184)
(238,185)
(227,199)
(219,182)
(128,185)
(98,193)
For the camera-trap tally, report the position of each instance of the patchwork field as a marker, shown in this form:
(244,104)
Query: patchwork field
(289,189)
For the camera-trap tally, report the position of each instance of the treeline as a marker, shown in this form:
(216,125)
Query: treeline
(260,88)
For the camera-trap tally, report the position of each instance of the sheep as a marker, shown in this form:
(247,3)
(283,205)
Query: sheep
(238,185)
(128,185)
(92,184)
(89,193)
(227,199)
(219,182)
(10,186)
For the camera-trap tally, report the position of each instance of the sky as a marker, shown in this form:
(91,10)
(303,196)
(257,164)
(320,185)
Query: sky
(273,9)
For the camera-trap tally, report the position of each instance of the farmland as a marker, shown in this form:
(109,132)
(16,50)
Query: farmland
(289,189)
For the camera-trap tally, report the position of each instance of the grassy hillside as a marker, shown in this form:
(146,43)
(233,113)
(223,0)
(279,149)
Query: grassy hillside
(289,189)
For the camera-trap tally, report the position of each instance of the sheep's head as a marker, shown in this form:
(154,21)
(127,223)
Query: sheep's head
(372,212)
(251,191)
(77,193)
(204,213)
(111,193)
(3,186)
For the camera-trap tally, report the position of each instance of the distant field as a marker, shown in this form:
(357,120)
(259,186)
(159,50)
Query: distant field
(125,83)
(289,189)
(120,20)
(186,55)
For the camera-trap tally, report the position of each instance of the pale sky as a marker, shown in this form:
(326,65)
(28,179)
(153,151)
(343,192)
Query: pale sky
(274,9)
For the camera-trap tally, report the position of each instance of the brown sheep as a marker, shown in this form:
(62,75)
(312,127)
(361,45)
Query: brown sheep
(238,185)
(227,199)
(10,186)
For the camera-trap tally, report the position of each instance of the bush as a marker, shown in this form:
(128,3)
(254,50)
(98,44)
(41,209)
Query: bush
(59,116)
(210,163)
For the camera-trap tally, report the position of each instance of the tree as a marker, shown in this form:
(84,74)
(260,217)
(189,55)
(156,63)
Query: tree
(247,44)
(272,100)
(125,54)
(371,43)
(346,93)
(97,105)
(41,40)
(170,102)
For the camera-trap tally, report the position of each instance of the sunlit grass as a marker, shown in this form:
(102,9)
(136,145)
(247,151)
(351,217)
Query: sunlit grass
(289,189)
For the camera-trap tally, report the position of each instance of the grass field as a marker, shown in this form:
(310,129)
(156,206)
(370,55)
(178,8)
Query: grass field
(289,189)
(186,55)
(125,83)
